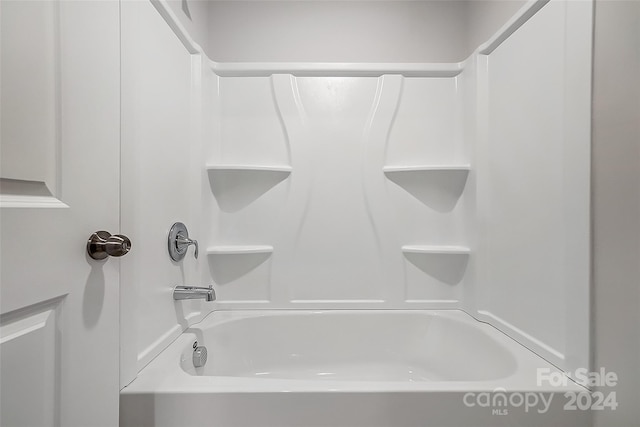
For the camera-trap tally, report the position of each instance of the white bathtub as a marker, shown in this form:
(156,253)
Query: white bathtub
(345,368)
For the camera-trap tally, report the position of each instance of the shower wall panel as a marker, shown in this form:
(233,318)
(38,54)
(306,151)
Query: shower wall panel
(533,161)
(160,182)
(377,164)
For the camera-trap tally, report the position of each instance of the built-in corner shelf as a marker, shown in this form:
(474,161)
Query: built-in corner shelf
(239,250)
(428,168)
(237,185)
(230,168)
(437,186)
(433,249)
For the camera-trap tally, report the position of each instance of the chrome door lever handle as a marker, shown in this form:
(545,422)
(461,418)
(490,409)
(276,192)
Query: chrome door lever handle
(102,244)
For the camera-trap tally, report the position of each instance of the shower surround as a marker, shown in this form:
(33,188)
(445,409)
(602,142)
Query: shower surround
(399,187)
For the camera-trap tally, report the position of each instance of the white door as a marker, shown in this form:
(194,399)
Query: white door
(60,168)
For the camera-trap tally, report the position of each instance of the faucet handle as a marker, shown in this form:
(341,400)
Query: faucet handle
(183,243)
(179,241)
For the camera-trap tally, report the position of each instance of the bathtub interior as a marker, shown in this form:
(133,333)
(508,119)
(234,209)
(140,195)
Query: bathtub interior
(351,345)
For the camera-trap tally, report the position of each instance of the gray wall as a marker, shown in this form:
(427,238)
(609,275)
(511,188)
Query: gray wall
(616,204)
(352,31)
(485,17)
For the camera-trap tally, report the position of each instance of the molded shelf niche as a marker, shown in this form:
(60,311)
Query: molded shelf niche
(444,263)
(437,186)
(230,262)
(237,185)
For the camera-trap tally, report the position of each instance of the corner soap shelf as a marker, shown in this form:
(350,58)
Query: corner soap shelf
(239,249)
(427,168)
(237,185)
(434,249)
(249,167)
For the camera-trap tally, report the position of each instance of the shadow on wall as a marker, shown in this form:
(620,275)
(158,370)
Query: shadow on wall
(185,9)
(225,268)
(236,188)
(446,268)
(93,296)
(438,189)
